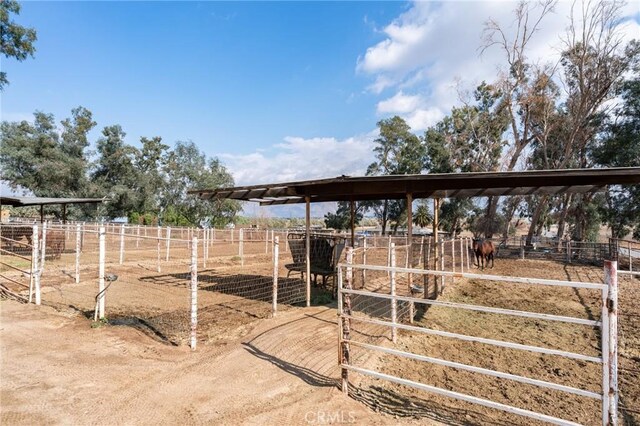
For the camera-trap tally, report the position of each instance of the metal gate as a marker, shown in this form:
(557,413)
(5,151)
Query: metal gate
(390,321)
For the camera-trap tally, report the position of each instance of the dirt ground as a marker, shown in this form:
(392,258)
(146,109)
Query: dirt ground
(56,369)
(252,369)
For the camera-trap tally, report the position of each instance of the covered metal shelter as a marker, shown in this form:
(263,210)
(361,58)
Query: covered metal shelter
(43,201)
(436,186)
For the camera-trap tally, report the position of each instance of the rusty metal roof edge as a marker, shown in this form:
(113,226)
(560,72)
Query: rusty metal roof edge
(38,201)
(526,174)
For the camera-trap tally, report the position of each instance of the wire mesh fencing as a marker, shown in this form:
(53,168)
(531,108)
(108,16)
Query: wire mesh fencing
(18,272)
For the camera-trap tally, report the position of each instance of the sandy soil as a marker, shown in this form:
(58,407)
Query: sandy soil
(56,369)
(252,369)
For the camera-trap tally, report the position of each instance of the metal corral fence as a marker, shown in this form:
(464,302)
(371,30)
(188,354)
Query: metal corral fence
(626,252)
(150,277)
(386,308)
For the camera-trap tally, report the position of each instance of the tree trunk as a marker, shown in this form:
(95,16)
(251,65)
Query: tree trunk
(563,219)
(384,216)
(537,214)
(492,208)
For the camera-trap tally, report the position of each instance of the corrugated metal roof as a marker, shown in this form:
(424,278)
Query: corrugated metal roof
(452,185)
(39,201)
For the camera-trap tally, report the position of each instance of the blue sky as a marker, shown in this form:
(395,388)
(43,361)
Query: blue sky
(278,91)
(232,77)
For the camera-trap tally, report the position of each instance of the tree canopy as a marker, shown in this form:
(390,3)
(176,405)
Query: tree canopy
(16,41)
(146,183)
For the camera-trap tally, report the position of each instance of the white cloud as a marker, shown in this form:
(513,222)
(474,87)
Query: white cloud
(422,119)
(399,104)
(299,159)
(434,47)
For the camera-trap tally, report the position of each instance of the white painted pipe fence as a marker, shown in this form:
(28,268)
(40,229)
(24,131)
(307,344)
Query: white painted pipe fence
(608,328)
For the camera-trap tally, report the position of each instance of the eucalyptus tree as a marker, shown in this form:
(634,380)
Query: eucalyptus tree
(341,219)
(115,174)
(188,168)
(16,41)
(619,146)
(468,140)
(397,151)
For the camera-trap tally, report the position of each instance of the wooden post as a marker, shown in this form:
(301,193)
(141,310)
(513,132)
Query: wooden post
(78,254)
(274,307)
(121,244)
(609,344)
(394,303)
(168,242)
(436,245)
(352,210)
(266,241)
(410,237)
(630,257)
(64,214)
(346,322)
(101,260)
(308,247)
(41,213)
(194,292)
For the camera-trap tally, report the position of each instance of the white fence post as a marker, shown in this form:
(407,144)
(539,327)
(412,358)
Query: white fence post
(43,246)
(468,248)
(205,247)
(101,259)
(194,292)
(35,270)
(610,344)
(121,244)
(364,261)
(138,236)
(345,308)
(168,242)
(453,259)
(78,245)
(241,246)
(82,237)
(461,256)
(389,253)
(158,246)
(276,251)
(266,241)
(394,302)
(441,289)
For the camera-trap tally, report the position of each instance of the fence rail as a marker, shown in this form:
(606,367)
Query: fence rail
(351,315)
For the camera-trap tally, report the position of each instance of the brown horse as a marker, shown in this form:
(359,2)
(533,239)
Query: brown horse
(484,251)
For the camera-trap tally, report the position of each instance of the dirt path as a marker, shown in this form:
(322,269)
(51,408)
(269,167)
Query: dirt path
(56,369)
